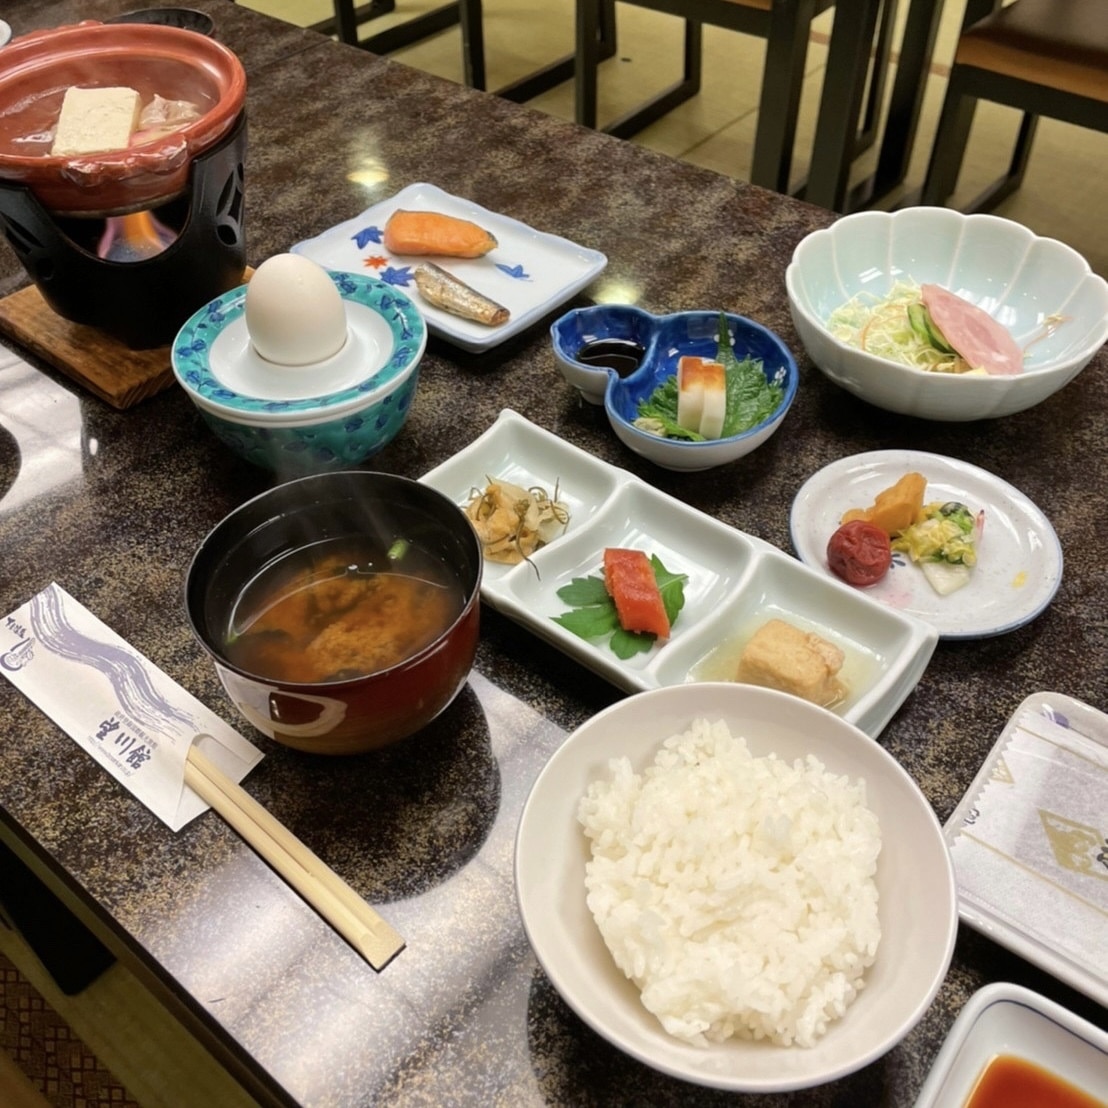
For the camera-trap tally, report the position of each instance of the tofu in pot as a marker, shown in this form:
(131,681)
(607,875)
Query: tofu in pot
(95,120)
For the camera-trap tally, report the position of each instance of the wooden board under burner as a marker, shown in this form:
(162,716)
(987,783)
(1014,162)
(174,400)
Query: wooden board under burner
(104,365)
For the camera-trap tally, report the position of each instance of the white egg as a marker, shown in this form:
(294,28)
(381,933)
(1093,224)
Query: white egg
(294,314)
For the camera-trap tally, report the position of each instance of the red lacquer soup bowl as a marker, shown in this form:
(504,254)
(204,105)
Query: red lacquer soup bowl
(341,610)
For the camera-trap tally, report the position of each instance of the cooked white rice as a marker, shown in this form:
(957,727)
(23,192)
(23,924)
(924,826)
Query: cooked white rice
(737,892)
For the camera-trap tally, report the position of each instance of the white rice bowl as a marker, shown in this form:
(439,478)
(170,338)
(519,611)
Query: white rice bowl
(916,906)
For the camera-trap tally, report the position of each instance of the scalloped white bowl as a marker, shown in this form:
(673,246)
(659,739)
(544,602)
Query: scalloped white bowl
(1016,276)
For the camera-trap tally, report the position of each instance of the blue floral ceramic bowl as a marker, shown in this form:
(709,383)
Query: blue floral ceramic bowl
(618,356)
(312,419)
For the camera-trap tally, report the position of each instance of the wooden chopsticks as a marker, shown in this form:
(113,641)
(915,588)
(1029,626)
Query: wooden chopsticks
(313,879)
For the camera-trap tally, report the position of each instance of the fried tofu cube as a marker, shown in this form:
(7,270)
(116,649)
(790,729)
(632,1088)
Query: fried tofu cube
(781,656)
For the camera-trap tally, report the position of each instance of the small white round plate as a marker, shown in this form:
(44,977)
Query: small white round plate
(1019,558)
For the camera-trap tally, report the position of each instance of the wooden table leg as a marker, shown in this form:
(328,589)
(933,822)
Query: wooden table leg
(470,16)
(348,18)
(840,106)
(346,22)
(587,53)
(917,47)
(779,101)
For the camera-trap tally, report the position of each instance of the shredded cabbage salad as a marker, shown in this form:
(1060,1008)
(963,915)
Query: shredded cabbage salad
(882,326)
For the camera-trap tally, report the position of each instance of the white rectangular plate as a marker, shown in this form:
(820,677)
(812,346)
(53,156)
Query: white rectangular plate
(530,272)
(1006,874)
(735,580)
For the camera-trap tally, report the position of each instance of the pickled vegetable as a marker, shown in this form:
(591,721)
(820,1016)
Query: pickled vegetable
(859,552)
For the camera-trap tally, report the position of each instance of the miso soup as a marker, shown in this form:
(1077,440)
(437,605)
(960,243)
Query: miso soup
(341,609)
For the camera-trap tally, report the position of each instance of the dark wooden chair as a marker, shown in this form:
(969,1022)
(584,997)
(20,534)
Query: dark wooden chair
(468,14)
(349,18)
(786,27)
(1043,57)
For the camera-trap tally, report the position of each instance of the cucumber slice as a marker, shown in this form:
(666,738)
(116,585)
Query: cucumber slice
(919,319)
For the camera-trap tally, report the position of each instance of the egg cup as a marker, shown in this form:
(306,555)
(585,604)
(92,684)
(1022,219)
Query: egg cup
(305,419)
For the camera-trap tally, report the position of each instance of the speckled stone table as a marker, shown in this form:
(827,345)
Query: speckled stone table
(111,505)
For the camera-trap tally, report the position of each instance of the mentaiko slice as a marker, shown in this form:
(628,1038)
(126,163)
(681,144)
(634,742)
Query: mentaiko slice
(629,579)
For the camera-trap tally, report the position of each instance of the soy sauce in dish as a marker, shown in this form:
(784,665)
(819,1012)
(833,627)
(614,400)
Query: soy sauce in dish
(622,355)
(1011,1082)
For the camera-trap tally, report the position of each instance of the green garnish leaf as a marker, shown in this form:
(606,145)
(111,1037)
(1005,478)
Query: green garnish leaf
(661,405)
(584,591)
(626,644)
(750,397)
(593,612)
(671,586)
(590,622)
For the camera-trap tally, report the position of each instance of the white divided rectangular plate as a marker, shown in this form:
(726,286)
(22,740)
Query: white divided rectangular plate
(1005,1019)
(735,581)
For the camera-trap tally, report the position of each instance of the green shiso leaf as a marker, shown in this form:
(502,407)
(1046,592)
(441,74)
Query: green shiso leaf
(593,612)
(750,397)
(583,591)
(661,405)
(671,586)
(626,644)
(590,622)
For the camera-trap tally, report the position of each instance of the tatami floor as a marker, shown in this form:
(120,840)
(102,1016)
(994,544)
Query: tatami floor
(715,130)
(110,1016)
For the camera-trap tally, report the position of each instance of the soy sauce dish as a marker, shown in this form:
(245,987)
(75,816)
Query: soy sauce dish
(617,355)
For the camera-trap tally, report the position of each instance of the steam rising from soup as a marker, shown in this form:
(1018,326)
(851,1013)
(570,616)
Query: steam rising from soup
(341,609)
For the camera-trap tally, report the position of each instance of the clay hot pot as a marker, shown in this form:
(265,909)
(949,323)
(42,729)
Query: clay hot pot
(37,68)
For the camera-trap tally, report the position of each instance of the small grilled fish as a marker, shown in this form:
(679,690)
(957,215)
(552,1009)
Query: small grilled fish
(445,291)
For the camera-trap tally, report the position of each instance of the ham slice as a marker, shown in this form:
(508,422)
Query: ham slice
(629,579)
(972,332)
